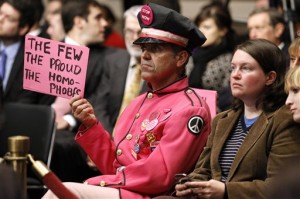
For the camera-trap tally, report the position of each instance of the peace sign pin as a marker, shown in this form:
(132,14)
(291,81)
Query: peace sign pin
(195,124)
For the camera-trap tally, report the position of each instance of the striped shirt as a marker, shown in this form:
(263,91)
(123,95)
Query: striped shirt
(232,146)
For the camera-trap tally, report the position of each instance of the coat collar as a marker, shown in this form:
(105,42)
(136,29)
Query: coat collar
(178,85)
(229,121)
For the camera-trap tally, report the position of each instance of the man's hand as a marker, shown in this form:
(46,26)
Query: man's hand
(83,111)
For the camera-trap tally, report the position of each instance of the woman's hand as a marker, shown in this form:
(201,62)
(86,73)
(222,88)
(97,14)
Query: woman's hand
(183,191)
(83,111)
(211,189)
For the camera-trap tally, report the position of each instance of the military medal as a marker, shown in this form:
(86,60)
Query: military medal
(150,137)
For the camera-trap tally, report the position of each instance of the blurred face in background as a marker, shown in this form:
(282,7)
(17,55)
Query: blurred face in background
(132,30)
(260,27)
(213,34)
(93,28)
(293,101)
(10,31)
(53,18)
(294,52)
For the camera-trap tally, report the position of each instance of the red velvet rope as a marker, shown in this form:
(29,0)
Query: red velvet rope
(57,187)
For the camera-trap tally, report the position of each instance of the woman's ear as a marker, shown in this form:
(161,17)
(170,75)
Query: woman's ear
(271,77)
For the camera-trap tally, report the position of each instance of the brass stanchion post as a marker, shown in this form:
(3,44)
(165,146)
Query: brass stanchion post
(18,148)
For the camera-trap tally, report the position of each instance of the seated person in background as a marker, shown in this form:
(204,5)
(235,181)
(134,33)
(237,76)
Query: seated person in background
(169,119)
(55,28)
(84,25)
(294,52)
(250,143)
(287,184)
(269,24)
(212,59)
(112,37)
(121,73)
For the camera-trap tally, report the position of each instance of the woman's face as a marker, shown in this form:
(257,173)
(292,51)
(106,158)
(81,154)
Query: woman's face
(293,101)
(294,60)
(248,81)
(211,31)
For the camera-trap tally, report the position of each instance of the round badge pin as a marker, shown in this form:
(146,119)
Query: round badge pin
(195,124)
(146,15)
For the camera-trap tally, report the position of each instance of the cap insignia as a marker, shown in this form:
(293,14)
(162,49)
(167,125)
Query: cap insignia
(146,15)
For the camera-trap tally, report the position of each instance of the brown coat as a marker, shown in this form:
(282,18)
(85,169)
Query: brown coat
(272,141)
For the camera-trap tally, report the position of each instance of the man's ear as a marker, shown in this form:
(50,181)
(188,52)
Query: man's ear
(271,77)
(279,29)
(78,21)
(182,57)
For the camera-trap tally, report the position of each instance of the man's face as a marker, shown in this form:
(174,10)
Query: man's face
(159,64)
(53,17)
(260,27)
(132,30)
(9,23)
(93,29)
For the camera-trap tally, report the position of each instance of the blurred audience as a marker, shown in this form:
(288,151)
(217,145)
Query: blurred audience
(294,53)
(172,4)
(17,18)
(269,24)
(84,25)
(112,37)
(53,19)
(37,29)
(212,60)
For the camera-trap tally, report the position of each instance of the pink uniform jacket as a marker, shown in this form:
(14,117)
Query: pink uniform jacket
(158,135)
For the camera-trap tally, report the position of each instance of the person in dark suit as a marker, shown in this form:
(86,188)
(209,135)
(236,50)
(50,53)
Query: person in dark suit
(17,17)
(84,25)
(119,71)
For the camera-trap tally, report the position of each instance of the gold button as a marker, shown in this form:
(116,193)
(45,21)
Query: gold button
(137,115)
(129,136)
(119,152)
(102,183)
(150,95)
(189,91)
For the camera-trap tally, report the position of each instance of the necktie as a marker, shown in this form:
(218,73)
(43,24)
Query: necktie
(3,58)
(133,89)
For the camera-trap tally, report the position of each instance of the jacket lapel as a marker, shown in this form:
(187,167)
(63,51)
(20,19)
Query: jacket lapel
(222,132)
(254,134)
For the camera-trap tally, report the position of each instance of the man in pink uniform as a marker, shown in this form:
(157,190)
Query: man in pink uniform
(162,132)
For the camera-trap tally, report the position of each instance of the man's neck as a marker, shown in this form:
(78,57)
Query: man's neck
(75,36)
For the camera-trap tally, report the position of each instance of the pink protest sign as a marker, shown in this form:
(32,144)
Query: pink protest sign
(54,68)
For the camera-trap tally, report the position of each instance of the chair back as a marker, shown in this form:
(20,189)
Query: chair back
(32,120)
(210,96)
